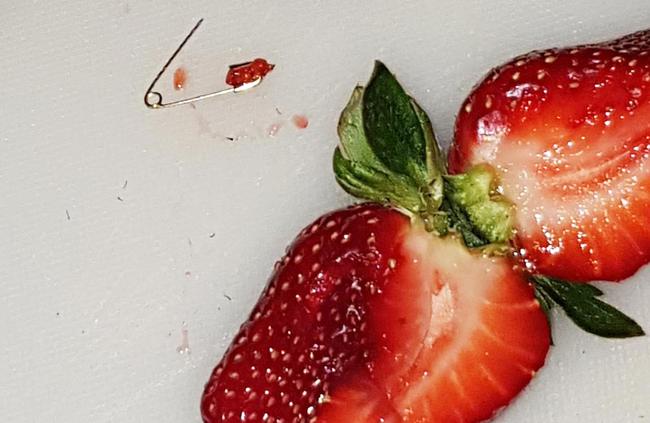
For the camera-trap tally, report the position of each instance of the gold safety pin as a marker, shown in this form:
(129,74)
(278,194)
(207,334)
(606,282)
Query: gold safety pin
(154,100)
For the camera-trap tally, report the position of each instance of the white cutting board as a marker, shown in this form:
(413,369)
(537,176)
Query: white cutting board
(93,306)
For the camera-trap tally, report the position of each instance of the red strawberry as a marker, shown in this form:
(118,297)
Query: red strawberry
(371,318)
(569,133)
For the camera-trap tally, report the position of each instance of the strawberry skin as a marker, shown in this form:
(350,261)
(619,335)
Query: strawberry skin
(569,133)
(370,318)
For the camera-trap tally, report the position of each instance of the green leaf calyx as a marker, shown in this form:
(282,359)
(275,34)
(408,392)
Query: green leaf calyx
(388,151)
(481,214)
(581,305)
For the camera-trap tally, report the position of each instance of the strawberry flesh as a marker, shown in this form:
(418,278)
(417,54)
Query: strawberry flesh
(245,73)
(569,133)
(370,318)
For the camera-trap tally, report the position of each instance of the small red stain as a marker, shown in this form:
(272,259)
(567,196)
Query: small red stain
(180,79)
(300,121)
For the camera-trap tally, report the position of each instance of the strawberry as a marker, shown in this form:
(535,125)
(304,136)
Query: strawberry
(568,131)
(380,312)
(371,317)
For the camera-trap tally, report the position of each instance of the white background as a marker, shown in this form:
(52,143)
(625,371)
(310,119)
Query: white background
(92,308)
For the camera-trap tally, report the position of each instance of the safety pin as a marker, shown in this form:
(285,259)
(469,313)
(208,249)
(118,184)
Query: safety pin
(154,100)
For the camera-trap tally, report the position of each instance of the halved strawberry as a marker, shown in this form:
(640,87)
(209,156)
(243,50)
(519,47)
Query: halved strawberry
(380,315)
(371,318)
(568,131)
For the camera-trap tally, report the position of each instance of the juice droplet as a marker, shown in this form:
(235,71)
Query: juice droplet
(300,121)
(180,78)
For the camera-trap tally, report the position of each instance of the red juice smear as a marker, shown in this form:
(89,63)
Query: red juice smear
(300,121)
(180,78)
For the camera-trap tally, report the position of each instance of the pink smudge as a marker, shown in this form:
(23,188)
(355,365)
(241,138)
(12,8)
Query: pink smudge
(300,121)
(273,129)
(184,347)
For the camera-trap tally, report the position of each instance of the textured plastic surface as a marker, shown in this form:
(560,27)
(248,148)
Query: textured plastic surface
(122,227)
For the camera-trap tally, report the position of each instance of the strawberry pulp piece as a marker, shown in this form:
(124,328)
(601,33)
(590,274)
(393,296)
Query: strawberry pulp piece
(244,73)
(569,133)
(370,317)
